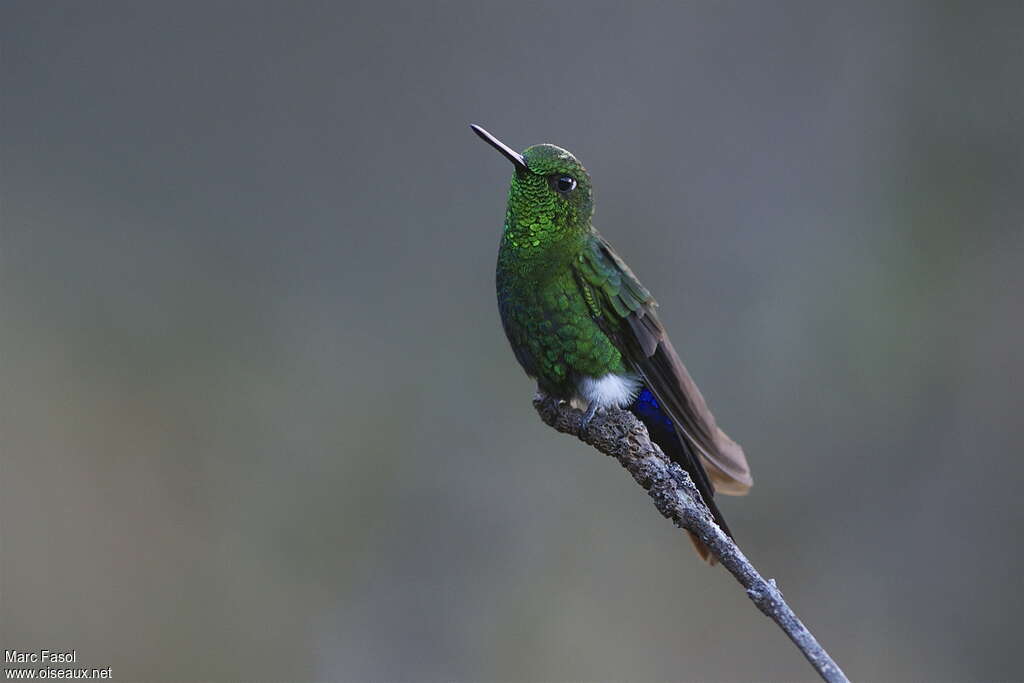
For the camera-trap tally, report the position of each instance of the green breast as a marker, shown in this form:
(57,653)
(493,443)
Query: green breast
(551,326)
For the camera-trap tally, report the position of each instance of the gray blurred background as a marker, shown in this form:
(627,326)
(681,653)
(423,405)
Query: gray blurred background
(259,419)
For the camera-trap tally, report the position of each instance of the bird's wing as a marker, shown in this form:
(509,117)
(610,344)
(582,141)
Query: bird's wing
(626,311)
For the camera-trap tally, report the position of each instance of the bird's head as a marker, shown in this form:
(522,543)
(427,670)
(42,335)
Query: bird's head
(550,195)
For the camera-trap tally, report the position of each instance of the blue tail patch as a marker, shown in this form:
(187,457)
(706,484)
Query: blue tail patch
(646,407)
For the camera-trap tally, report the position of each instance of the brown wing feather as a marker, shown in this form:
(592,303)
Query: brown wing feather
(651,351)
(681,399)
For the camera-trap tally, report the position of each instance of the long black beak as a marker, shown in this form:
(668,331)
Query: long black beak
(510,154)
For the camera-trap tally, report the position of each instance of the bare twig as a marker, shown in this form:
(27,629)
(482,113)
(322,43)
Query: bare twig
(619,434)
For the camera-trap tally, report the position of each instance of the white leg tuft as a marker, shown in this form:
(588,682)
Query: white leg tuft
(607,391)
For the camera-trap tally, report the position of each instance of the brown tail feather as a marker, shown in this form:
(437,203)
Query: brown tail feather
(702,550)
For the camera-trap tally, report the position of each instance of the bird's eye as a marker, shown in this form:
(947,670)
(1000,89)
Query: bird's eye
(562,183)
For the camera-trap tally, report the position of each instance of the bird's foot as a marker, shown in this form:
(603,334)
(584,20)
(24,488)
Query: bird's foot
(588,416)
(545,398)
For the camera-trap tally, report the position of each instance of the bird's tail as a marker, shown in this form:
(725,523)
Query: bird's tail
(663,432)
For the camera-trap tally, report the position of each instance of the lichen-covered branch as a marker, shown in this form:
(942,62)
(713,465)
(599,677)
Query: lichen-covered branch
(619,434)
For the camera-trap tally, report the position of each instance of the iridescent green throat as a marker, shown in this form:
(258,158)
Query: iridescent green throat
(540,222)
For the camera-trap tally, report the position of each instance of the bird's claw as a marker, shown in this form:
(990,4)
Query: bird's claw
(588,416)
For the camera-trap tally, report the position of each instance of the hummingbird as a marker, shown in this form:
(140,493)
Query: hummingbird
(583,326)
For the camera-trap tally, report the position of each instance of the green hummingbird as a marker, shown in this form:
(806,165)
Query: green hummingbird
(585,328)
